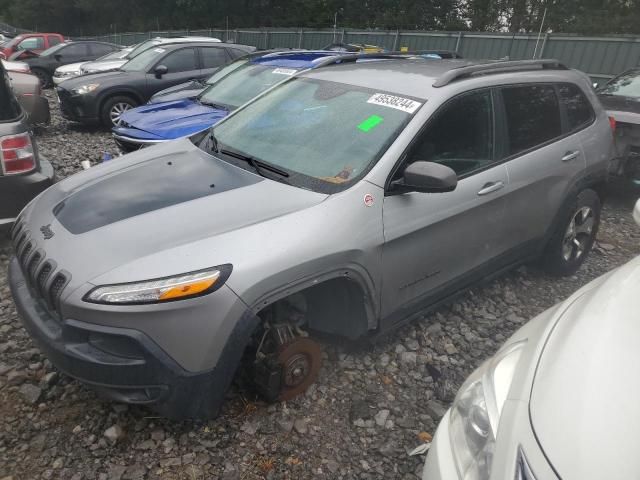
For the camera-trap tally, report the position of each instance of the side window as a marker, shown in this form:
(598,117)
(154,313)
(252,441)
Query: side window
(460,136)
(53,40)
(31,43)
(180,60)
(532,116)
(213,57)
(100,49)
(75,50)
(578,108)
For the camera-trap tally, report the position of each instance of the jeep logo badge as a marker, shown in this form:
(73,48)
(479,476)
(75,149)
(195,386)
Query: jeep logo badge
(47,232)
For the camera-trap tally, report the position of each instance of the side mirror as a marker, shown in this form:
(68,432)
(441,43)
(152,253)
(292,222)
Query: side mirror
(596,85)
(160,70)
(58,57)
(427,177)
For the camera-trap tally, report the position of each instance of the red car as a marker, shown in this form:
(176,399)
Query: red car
(32,42)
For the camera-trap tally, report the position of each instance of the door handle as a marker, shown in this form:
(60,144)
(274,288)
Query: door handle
(570,156)
(491,187)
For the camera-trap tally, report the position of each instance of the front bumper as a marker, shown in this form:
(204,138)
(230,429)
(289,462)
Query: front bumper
(125,364)
(77,108)
(18,190)
(59,80)
(130,144)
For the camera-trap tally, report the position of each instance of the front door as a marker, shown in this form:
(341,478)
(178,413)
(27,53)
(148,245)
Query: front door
(182,65)
(432,241)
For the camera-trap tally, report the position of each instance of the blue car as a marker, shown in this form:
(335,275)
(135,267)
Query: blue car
(229,88)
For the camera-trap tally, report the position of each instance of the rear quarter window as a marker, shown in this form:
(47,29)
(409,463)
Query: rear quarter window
(532,116)
(578,108)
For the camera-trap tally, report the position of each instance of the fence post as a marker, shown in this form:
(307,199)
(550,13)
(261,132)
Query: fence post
(458,42)
(300,34)
(395,41)
(266,39)
(544,44)
(342,37)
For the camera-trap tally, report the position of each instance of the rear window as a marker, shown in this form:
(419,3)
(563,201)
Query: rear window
(578,108)
(9,108)
(533,116)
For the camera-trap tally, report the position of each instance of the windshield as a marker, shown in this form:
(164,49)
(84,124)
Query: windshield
(246,82)
(53,49)
(14,41)
(113,55)
(326,134)
(626,85)
(142,47)
(226,70)
(143,61)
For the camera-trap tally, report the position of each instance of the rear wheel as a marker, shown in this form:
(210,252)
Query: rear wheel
(44,77)
(114,107)
(574,236)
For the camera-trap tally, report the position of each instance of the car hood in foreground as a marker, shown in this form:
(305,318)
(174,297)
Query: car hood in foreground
(584,403)
(181,91)
(623,109)
(71,67)
(170,120)
(171,201)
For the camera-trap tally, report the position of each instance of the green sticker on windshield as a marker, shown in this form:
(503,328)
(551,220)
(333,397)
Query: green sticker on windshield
(371,122)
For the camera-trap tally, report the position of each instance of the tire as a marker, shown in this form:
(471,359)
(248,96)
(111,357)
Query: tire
(44,77)
(110,108)
(574,236)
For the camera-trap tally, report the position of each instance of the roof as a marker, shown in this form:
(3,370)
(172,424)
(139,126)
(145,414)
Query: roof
(419,77)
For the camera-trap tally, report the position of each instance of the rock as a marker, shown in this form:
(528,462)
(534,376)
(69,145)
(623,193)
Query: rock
(359,409)
(359,423)
(147,445)
(412,344)
(188,458)
(606,246)
(170,462)
(115,472)
(135,472)
(230,472)
(31,393)
(250,427)
(409,358)
(4,369)
(400,349)
(285,424)
(58,463)
(381,417)
(77,429)
(114,434)
(157,435)
(384,360)
(16,377)
(450,349)
(389,450)
(435,409)
(300,426)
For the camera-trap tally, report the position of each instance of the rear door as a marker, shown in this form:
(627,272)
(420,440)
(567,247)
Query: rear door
(543,160)
(212,58)
(182,65)
(73,53)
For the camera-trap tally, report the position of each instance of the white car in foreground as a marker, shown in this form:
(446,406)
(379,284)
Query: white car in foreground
(559,400)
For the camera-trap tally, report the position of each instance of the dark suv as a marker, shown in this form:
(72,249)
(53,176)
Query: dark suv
(22,174)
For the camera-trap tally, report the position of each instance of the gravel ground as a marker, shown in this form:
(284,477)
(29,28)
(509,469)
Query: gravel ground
(371,406)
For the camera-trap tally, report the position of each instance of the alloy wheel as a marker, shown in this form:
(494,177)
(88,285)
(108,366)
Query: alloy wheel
(117,110)
(578,234)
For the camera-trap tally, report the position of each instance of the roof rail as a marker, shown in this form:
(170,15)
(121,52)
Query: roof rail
(500,66)
(353,57)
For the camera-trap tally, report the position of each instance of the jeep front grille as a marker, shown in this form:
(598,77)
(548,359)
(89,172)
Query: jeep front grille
(42,274)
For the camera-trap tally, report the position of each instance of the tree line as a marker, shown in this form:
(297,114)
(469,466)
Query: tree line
(90,17)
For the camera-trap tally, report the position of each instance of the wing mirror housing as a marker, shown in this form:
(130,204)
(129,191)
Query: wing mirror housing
(426,177)
(160,70)
(58,57)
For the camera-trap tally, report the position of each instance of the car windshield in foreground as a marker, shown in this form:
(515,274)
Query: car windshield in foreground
(226,70)
(143,62)
(246,82)
(626,85)
(325,135)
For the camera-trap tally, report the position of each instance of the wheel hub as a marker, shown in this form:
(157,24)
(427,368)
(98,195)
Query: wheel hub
(300,360)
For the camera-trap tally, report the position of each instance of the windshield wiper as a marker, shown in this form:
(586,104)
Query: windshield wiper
(217,106)
(257,165)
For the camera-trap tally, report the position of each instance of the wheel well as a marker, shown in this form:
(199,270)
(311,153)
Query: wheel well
(601,191)
(109,96)
(335,306)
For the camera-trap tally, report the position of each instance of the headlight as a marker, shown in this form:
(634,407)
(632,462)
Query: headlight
(167,289)
(475,414)
(84,89)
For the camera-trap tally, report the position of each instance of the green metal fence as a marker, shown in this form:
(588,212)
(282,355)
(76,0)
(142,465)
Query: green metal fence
(600,57)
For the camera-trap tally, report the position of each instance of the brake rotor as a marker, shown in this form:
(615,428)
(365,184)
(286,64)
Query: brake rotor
(300,360)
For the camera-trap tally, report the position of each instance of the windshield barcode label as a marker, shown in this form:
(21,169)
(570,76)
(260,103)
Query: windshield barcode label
(391,101)
(284,71)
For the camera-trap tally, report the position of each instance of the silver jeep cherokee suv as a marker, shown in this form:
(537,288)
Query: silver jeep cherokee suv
(343,202)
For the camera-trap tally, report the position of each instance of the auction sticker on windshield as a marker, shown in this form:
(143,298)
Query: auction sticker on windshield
(399,103)
(284,71)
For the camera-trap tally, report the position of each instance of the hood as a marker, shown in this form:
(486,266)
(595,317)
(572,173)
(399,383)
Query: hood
(171,120)
(102,66)
(152,202)
(109,78)
(620,103)
(585,393)
(70,68)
